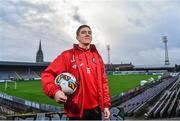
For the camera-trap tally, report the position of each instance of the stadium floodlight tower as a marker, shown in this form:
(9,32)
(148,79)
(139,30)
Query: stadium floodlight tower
(108,49)
(164,39)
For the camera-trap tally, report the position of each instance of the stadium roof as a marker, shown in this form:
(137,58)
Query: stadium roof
(9,63)
(154,66)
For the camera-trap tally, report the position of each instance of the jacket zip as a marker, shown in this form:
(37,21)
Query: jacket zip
(86,59)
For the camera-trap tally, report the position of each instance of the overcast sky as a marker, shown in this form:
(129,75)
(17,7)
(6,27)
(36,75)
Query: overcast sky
(132,28)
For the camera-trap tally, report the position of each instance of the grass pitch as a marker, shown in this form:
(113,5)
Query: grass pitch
(32,90)
(123,83)
(29,90)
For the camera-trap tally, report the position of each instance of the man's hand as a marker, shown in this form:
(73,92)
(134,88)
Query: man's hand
(60,97)
(106,113)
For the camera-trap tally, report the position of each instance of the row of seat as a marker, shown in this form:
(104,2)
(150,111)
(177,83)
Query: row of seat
(6,75)
(136,103)
(167,105)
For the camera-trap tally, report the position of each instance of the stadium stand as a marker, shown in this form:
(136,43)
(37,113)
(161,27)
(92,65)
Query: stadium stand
(21,70)
(24,75)
(4,75)
(168,104)
(135,104)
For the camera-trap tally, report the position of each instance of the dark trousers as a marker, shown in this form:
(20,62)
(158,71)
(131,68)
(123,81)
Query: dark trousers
(93,114)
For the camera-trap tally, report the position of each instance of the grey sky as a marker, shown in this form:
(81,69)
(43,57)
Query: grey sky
(132,28)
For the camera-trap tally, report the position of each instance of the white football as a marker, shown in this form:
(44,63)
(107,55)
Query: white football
(67,82)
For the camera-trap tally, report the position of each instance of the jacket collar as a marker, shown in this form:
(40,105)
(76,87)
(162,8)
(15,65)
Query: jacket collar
(92,47)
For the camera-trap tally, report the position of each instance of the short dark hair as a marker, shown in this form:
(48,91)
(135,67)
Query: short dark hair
(80,27)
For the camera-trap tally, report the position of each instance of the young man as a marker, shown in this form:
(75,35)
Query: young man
(85,63)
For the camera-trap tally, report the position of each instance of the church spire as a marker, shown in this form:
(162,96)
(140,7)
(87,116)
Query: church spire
(40,45)
(39,54)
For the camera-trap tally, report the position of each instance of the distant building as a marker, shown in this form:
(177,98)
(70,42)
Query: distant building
(119,67)
(124,67)
(39,54)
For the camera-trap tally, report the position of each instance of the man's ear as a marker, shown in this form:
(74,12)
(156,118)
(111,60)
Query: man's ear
(77,37)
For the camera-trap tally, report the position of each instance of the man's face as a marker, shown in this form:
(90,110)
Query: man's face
(85,36)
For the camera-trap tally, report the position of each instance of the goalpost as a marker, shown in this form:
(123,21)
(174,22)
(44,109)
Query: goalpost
(10,84)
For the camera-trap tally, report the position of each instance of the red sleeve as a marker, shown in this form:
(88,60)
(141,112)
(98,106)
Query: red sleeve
(106,98)
(56,67)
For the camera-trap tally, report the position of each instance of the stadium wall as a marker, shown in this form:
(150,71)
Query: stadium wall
(26,106)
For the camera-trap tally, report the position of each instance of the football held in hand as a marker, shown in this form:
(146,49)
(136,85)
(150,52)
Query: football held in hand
(67,82)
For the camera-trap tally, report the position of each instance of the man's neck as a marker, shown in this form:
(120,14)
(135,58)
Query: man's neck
(86,47)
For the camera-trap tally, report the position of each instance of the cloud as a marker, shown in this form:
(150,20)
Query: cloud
(133,29)
(137,29)
(77,17)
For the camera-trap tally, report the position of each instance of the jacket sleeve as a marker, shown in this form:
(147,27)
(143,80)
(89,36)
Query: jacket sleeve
(106,96)
(49,74)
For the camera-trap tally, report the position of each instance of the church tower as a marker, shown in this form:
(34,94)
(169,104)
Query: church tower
(39,54)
